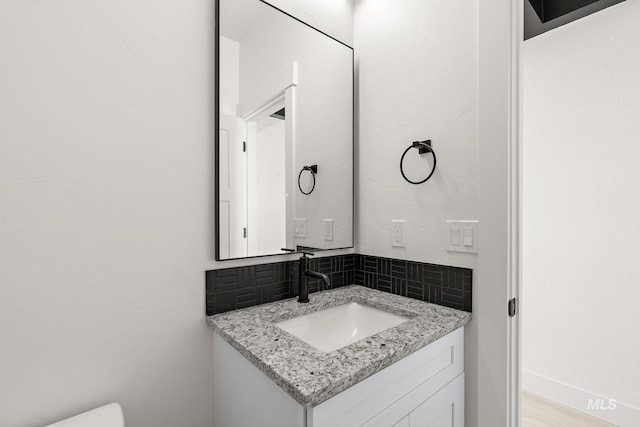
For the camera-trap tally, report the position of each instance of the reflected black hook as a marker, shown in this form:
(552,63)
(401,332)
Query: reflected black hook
(314,170)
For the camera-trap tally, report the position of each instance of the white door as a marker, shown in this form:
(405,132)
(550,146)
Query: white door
(233,188)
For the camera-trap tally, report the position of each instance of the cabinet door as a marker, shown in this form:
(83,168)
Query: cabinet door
(444,409)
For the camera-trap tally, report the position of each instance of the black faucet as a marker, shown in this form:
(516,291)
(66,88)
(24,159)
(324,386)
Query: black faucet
(304,274)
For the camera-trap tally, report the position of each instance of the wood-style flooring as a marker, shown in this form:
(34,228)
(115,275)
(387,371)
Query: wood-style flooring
(540,412)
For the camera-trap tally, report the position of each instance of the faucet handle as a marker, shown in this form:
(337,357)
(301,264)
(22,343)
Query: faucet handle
(305,253)
(288,250)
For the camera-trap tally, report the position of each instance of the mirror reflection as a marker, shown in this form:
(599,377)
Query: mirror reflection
(284,145)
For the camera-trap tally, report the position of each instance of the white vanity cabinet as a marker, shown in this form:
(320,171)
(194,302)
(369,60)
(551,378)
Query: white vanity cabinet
(424,389)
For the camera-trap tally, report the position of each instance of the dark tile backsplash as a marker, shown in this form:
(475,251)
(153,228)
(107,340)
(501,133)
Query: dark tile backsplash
(231,288)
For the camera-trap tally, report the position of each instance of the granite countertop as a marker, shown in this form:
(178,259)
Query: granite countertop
(311,376)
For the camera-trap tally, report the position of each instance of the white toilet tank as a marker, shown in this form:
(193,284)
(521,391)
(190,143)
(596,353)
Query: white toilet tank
(105,416)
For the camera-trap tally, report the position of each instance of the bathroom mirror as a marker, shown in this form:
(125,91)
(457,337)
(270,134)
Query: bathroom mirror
(284,134)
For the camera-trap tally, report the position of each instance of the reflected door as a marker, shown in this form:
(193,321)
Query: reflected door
(266,173)
(233,188)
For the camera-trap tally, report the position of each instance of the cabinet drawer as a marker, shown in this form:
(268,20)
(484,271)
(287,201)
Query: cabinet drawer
(396,390)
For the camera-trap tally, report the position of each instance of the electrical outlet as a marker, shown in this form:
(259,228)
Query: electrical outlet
(328,229)
(301,227)
(397,233)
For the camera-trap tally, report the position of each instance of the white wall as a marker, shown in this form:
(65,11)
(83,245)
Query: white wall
(581,134)
(418,76)
(106,209)
(105,183)
(418,79)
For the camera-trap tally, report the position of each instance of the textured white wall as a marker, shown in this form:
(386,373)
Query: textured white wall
(417,65)
(106,209)
(105,148)
(581,134)
(418,79)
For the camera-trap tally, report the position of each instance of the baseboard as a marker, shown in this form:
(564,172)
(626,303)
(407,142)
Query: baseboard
(606,408)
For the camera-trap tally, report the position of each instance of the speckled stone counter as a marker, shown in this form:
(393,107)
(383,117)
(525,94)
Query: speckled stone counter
(311,376)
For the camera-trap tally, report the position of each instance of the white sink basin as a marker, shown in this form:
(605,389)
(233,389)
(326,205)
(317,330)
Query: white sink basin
(336,327)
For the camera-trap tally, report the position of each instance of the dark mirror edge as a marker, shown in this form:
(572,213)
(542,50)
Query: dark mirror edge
(217,135)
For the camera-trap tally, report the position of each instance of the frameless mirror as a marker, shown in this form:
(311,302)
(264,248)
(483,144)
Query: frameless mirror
(284,140)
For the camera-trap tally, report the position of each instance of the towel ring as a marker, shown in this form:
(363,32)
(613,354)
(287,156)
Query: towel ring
(314,170)
(423,147)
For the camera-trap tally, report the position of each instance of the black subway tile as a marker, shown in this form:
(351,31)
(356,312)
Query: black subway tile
(324,265)
(415,271)
(231,288)
(384,266)
(370,264)
(399,286)
(337,279)
(337,263)
(348,277)
(370,280)
(384,283)
(399,269)
(348,262)
(415,290)
(225,301)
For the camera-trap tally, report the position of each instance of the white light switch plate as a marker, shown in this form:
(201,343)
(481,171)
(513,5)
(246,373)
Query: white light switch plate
(328,229)
(301,227)
(462,236)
